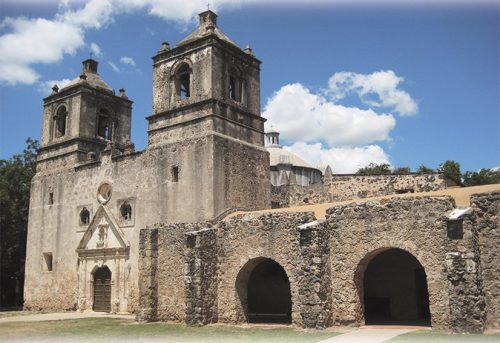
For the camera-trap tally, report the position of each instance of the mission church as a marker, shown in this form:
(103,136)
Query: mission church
(152,232)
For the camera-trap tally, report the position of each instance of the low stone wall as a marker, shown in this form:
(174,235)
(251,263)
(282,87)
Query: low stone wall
(348,187)
(198,273)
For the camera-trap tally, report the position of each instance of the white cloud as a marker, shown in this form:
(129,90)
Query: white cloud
(127,60)
(95,50)
(38,40)
(382,84)
(30,41)
(46,86)
(341,160)
(113,66)
(95,14)
(303,116)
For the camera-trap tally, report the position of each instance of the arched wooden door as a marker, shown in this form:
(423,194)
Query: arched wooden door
(102,290)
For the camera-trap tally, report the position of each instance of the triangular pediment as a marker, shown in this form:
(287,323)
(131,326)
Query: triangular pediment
(103,233)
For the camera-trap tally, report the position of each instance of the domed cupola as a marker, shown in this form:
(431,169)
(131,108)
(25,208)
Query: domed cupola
(286,167)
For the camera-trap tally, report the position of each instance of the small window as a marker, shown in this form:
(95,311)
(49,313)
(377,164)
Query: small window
(175,174)
(455,229)
(51,198)
(305,237)
(84,216)
(60,122)
(126,211)
(47,257)
(104,193)
(234,89)
(235,85)
(104,125)
(183,81)
(191,241)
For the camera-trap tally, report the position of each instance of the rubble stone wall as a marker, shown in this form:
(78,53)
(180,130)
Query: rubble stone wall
(487,221)
(325,262)
(348,187)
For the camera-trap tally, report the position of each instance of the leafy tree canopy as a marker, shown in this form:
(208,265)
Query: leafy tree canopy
(451,170)
(375,169)
(15,183)
(422,169)
(401,171)
(483,177)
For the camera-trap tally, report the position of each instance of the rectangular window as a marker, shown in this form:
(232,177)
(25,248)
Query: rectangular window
(175,174)
(51,198)
(47,256)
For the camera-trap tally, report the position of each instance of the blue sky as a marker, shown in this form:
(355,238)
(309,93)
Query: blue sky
(345,84)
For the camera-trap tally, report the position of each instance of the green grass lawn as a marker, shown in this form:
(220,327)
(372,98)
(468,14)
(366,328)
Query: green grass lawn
(438,337)
(109,329)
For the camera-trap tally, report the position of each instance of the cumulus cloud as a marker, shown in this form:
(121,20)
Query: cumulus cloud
(341,160)
(301,115)
(95,49)
(325,132)
(383,85)
(127,60)
(113,66)
(31,41)
(38,40)
(45,87)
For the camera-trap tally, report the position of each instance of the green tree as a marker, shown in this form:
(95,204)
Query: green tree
(484,177)
(402,171)
(375,169)
(422,169)
(15,182)
(451,170)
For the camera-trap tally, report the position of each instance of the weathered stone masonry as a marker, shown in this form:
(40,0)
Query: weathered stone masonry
(325,261)
(349,187)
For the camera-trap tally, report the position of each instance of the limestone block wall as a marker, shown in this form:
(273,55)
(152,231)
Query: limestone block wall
(487,221)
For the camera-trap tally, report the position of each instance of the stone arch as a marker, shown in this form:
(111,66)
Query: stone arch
(182,77)
(105,123)
(272,306)
(60,121)
(372,277)
(235,84)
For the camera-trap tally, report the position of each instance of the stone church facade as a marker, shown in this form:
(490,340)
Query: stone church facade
(115,230)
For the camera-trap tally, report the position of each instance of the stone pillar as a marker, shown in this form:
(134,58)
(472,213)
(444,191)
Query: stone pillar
(201,277)
(148,288)
(315,276)
(467,306)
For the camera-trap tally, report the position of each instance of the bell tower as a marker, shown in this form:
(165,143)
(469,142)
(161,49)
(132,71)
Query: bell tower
(206,80)
(81,119)
(206,97)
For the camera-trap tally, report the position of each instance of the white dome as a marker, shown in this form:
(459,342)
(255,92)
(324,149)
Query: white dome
(278,155)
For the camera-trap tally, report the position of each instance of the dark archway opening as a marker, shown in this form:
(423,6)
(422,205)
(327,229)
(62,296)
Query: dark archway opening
(102,290)
(395,290)
(268,294)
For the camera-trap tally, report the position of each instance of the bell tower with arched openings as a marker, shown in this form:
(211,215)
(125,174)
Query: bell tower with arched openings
(81,119)
(206,104)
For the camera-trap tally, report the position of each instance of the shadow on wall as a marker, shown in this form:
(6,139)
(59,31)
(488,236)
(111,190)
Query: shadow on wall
(264,293)
(392,288)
